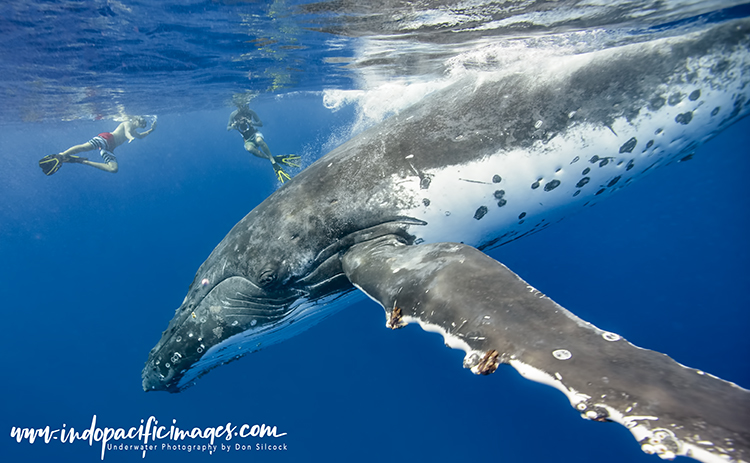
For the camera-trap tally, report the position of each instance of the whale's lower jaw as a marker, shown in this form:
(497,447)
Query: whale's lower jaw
(304,315)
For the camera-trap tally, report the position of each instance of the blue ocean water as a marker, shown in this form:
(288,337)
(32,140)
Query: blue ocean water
(93,264)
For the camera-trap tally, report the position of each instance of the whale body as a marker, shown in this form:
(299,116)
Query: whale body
(401,212)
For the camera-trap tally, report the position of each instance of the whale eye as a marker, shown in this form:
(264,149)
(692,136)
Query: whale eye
(267,277)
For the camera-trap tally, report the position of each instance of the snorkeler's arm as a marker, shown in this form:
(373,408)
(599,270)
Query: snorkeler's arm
(232,120)
(256,120)
(132,134)
(150,129)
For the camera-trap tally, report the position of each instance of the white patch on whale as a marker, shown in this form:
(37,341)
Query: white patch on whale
(457,192)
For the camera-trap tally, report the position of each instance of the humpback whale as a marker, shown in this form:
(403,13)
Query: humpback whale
(402,212)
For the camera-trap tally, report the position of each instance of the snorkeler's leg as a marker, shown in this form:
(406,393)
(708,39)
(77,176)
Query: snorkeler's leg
(78,149)
(110,166)
(252,149)
(259,141)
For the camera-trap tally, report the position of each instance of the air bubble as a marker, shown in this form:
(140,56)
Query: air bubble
(178,338)
(562,354)
(610,336)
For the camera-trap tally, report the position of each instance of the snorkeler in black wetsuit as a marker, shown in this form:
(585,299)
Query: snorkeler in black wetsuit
(246,121)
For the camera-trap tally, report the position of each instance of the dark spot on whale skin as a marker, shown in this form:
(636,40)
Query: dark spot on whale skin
(675,99)
(586,171)
(684,118)
(687,158)
(649,144)
(578,192)
(628,146)
(426,202)
(656,103)
(715,111)
(613,181)
(522,215)
(602,161)
(582,182)
(496,179)
(499,196)
(630,165)
(737,107)
(600,192)
(552,185)
(694,95)
(575,159)
(720,67)
(535,185)
(481,212)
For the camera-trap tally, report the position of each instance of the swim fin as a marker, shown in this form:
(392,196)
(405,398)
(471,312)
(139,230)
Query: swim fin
(291,160)
(280,174)
(52,163)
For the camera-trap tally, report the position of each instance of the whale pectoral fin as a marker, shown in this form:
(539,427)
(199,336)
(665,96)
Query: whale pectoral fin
(482,307)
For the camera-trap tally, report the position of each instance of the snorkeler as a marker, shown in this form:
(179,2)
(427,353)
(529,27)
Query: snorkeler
(245,120)
(106,143)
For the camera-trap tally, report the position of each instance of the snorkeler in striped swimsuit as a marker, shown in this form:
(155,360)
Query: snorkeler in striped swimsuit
(105,142)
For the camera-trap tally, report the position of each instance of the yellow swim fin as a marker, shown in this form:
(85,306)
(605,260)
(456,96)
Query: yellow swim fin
(52,163)
(280,174)
(291,160)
